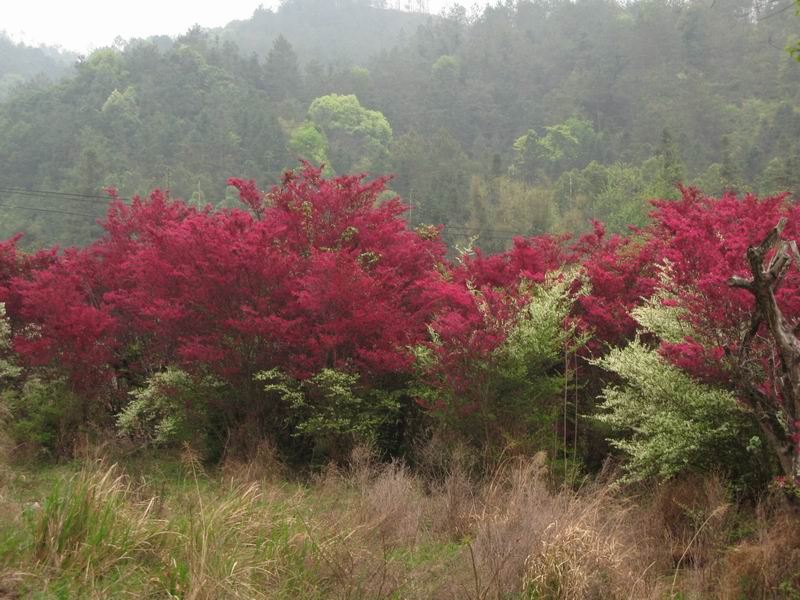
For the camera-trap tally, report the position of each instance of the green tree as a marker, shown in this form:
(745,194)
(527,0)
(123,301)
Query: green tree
(563,146)
(358,138)
(307,142)
(432,174)
(282,71)
(665,422)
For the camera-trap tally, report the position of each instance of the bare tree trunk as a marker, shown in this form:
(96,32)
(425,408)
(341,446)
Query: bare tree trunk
(777,416)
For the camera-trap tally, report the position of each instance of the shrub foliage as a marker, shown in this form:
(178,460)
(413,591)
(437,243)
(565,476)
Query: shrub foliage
(324,321)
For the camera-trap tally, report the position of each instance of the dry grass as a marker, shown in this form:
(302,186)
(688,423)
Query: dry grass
(533,542)
(383,531)
(768,564)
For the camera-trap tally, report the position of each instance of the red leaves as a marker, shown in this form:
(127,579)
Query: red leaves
(66,324)
(697,359)
(249,194)
(621,272)
(705,240)
(319,275)
(529,258)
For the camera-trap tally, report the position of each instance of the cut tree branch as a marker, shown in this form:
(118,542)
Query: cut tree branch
(778,416)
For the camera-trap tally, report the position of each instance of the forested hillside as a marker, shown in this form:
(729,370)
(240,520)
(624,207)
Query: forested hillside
(345,301)
(529,117)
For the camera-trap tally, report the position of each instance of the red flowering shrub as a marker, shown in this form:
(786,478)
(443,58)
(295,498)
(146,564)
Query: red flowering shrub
(706,241)
(67,323)
(529,258)
(316,274)
(16,264)
(621,272)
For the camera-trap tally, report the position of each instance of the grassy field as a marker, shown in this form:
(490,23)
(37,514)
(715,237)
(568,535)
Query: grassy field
(167,527)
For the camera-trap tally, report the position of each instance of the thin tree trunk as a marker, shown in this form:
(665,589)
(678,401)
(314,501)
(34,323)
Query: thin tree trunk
(778,417)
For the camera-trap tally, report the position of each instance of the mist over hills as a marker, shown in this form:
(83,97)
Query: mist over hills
(341,32)
(19,62)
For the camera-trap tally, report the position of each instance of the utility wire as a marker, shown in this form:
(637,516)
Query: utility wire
(48,210)
(55,195)
(492,234)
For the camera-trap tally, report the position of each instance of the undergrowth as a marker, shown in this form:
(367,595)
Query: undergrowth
(171,529)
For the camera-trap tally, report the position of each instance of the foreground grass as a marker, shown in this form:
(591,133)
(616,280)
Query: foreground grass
(168,529)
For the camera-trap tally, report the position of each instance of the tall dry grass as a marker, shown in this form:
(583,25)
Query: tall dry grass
(374,530)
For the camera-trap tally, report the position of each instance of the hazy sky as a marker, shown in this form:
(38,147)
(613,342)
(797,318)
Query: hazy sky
(81,25)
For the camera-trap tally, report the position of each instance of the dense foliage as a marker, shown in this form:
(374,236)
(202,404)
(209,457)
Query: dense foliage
(324,312)
(314,275)
(314,317)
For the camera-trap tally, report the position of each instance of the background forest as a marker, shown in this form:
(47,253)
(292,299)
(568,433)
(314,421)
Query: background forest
(525,118)
(349,301)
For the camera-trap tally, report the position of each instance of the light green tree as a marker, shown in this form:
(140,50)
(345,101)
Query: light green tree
(358,138)
(664,421)
(561,147)
(308,142)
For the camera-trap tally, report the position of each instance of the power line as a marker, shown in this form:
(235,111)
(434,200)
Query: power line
(493,234)
(48,210)
(54,194)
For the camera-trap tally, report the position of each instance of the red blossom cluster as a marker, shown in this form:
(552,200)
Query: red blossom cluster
(706,240)
(316,274)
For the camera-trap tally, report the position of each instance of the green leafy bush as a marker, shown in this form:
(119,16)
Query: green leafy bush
(170,409)
(662,419)
(46,416)
(665,422)
(510,393)
(332,410)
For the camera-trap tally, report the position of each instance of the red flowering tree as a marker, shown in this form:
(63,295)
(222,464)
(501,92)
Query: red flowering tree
(67,324)
(15,264)
(705,242)
(621,272)
(315,274)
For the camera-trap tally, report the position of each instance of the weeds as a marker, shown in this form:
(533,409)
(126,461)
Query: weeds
(382,531)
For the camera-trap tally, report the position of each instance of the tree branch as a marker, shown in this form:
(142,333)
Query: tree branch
(776,416)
